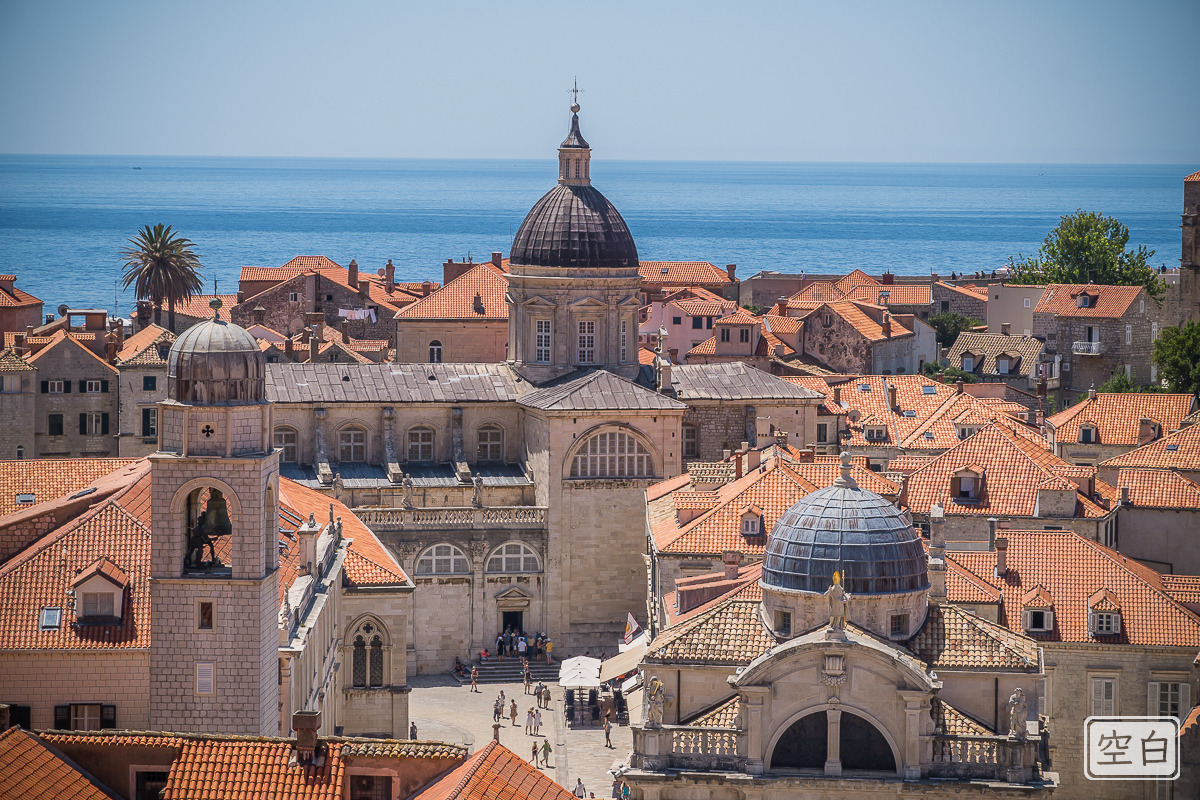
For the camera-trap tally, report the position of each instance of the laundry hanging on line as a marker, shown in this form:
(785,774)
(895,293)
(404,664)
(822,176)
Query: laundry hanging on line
(357,313)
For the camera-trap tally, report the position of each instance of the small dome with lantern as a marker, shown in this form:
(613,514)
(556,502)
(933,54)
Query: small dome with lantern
(216,363)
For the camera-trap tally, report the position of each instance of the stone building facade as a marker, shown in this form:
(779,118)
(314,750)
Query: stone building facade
(142,366)
(951,299)
(77,401)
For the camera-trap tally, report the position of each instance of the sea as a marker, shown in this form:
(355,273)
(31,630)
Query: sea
(65,219)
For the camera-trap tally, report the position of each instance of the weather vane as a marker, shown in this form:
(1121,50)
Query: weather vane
(574,92)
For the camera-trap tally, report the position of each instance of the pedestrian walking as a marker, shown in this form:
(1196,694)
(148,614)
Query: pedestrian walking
(529,723)
(474,678)
(546,697)
(500,647)
(522,647)
(616,792)
(496,711)
(624,790)
(533,759)
(546,751)
(607,733)
(526,679)
(512,713)
(412,731)
(579,791)
(537,723)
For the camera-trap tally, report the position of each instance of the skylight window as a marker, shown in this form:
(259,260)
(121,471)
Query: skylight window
(50,619)
(928,390)
(864,387)
(910,413)
(929,435)
(1171,448)
(26,498)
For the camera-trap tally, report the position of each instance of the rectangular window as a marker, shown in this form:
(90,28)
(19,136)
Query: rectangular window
(149,383)
(91,423)
(53,387)
(690,443)
(708,322)
(10,384)
(744,335)
(822,432)
(149,422)
(206,680)
(285,440)
(1106,623)
(92,387)
(1085,435)
(945,306)
(676,320)
(899,625)
(1128,334)
(1027,302)
(968,364)
(697,323)
(783,623)
(97,604)
(370,787)
(85,716)
(54,425)
(490,445)
(352,446)
(750,526)
(624,340)
(1104,697)
(542,332)
(1167,699)
(294,297)
(420,444)
(587,341)
(1002,366)
(1154,331)
(150,785)
(1043,686)
(724,334)
(205,616)
(50,618)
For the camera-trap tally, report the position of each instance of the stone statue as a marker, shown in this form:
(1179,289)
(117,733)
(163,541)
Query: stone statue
(655,701)
(477,494)
(839,604)
(1018,713)
(406,483)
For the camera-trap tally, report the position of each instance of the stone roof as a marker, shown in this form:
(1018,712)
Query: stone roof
(1110,302)
(1117,416)
(457,299)
(11,362)
(29,770)
(574,226)
(733,381)
(952,638)
(1179,450)
(1071,569)
(494,773)
(987,347)
(390,383)
(682,273)
(594,390)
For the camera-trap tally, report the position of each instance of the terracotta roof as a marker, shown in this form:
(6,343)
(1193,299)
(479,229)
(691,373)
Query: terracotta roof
(494,773)
(1071,569)
(1117,416)
(15,298)
(29,770)
(1179,450)
(212,768)
(11,362)
(197,306)
(456,300)
(952,638)
(854,279)
(330,270)
(949,721)
(105,568)
(901,294)
(739,317)
(1060,299)
(730,633)
(296,266)
(906,465)
(693,293)
(1195,176)
(142,347)
(646,356)
(688,500)
(711,471)
(351,746)
(1015,466)
(50,479)
(987,347)
(723,715)
(682,273)
(706,348)
(858,319)
(782,326)
(814,294)
(1184,588)
(745,586)
(61,336)
(704,308)
(970,290)
(1156,488)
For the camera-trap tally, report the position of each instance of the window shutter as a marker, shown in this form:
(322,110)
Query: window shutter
(145,422)
(45,387)
(1152,699)
(1091,622)
(1116,623)
(108,717)
(104,386)
(104,422)
(1025,619)
(82,387)
(1185,699)
(82,424)
(66,387)
(1049,620)
(62,718)
(204,677)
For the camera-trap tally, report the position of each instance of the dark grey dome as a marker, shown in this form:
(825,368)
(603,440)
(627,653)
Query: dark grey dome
(216,363)
(574,226)
(843,528)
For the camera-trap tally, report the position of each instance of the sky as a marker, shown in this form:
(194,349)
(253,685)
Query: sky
(963,81)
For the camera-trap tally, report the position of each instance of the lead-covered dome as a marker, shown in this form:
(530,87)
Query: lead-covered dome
(216,363)
(846,529)
(574,226)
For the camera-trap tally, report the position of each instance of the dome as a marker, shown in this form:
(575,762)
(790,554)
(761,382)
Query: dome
(846,529)
(216,363)
(574,226)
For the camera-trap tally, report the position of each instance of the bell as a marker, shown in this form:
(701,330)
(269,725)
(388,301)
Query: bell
(217,522)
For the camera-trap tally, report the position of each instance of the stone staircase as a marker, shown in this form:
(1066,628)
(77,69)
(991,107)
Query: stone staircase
(509,671)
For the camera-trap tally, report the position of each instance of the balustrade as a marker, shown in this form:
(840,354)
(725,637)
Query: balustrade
(503,517)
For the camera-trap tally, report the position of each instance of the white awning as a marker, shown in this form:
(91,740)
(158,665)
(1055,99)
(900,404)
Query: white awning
(634,700)
(621,663)
(571,664)
(631,683)
(579,680)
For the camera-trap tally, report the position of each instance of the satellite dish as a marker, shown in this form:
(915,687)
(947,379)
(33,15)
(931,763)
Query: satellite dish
(854,415)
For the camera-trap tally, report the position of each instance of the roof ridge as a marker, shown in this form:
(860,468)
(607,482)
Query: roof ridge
(53,536)
(473,764)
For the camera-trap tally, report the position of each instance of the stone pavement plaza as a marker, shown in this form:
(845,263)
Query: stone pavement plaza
(447,712)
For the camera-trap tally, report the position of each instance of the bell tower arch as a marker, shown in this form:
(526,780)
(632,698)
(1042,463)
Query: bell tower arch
(214,557)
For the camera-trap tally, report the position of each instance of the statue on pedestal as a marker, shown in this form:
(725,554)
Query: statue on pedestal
(1018,713)
(839,604)
(656,701)
(477,494)
(406,484)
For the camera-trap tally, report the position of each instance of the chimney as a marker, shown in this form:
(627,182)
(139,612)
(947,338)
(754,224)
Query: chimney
(345,331)
(806,456)
(50,317)
(353,279)
(496,732)
(731,271)
(958,386)
(19,344)
(732,559)
(837,395)
(1001,556)
(937,528)
(307,535)
(674,351)
(259,314)
(289,349)
(887,279)
(241,297)
(306,724)
(893,400)
(314,344)
(1006,328)
(315,319)
(477,304)
(753,459)
(1041,387)
(937,554)
(497,258)
(110,347)
(992,533)
(887,325)
(426,287)
(1092,392)
(389,276)
(738,458)
(1125,496)
(725,454)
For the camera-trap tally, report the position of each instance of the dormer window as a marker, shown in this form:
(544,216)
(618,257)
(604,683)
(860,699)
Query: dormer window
(98,604)
(1038,620)
(966,484)
(1083,301)
(752,524)
(968,363)
(99,591)
(1104,614)
(1087,434)
(1002,365)
(1106,623)
(967,430)
(875,433)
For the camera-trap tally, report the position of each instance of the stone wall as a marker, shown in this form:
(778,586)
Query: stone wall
(19,412)
(379,711)
(133,399)
(42,679)
(462,342)
(314,294)
(720,426)
(949,301)
(1164,538)
(974,528)
(840,347)
(69,362)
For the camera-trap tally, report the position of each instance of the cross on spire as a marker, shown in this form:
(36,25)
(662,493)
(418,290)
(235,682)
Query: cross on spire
(574,92)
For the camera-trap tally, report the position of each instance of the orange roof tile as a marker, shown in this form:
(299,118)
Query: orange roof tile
(16,298)
(723,715)
(105,568)
(456,300)
(1060,300)
(197,306)
(1184,588)
(900,294)
(1117,416)
(29,770)
(782,326)
(236,768)
(1195,176)
(815,293)
(739,317)
(1179,450)
(731,632)
(401,296)
(858,319)
(706,348)
(61,336)
(646,356)
(494,773)
(744,587)
(145,343)
(694,293)
(1072,568)
(50,479)
(854,279)
(949,721)
(952,638)
(682,273)
(1157,488)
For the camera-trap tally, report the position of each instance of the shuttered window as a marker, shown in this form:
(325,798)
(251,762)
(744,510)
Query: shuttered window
(205,677)
(1104,697)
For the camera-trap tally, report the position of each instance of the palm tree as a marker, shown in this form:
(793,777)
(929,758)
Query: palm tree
(161,265)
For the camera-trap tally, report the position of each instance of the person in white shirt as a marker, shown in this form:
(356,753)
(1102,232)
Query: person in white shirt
(579,791)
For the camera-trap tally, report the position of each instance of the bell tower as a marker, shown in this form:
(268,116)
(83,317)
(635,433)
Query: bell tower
(214,642)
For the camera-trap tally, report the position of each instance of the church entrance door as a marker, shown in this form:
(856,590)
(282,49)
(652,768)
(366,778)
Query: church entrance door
(514,620)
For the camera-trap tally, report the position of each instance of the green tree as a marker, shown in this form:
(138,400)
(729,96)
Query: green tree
(162,267)
(1177,356)
(949,325)
(1117,384)
(932,370)
(1087,247)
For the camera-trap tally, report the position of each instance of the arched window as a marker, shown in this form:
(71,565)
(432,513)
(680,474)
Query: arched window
(443,559)
(376,676)
(285,440)
(613,454)
(420,444)
(435,352)
(360,662)
(491,443)
(352,445)
(513,557)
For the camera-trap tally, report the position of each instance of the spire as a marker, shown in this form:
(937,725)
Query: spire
(574,154)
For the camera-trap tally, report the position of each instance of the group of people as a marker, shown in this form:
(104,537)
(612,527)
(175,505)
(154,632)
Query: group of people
(620,789)
(515,643)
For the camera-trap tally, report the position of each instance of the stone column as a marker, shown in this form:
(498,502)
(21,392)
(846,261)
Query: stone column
(479,549)
(833,730)
(753,701)
(911,749)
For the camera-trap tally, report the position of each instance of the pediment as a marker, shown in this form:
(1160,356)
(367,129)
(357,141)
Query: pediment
(633,301)
(513,592)
(589,303)
(537,301)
